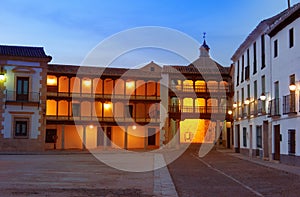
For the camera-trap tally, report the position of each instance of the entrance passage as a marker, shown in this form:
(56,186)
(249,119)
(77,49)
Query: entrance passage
(151,136)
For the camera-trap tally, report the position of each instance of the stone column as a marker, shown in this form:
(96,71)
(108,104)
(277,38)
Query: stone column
(63,137)
(105,137)
(145,138)
(126,138)
(84,138)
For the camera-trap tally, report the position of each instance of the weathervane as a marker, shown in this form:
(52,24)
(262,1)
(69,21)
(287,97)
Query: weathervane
(204,35)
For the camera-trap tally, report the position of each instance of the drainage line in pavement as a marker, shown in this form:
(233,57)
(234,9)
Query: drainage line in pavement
(228,176)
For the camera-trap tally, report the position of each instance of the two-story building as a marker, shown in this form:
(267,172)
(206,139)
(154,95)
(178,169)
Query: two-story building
(199,100)
(23,74)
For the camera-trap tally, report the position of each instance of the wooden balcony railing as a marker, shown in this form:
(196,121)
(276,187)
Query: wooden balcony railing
(196,109)
(14,96)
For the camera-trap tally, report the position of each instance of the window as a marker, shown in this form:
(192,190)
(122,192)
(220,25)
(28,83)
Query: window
(263,84)
(51,136)
(76,109)
(292,141)
(291,37)
(254,58)
(243,67)
(152,69)
(21,128)
(238,73)
(255,89)
(263,56)
(275,48)
(128,111)
(259,136)
(244,136)
(22,88)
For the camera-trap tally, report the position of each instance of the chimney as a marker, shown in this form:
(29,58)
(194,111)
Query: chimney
(289,4)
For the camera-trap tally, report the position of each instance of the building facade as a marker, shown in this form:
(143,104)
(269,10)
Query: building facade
(284,103)
(199,101)
(258,103)
(49,106)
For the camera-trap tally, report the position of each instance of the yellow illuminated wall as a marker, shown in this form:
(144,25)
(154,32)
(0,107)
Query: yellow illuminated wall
(197,131)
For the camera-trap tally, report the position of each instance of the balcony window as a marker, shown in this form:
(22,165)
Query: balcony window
(289,104)
(274,107)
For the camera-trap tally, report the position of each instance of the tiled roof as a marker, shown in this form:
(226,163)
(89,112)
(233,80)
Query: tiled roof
(260,28)
(101,71)
(23,51)
(191,69)
(292,14)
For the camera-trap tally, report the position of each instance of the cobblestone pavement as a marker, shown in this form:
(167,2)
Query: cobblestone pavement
(221,174)
(68,175)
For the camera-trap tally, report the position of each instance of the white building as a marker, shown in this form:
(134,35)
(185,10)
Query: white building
(257,106)
(285,72)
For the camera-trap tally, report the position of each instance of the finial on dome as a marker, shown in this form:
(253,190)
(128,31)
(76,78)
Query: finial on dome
(204,49)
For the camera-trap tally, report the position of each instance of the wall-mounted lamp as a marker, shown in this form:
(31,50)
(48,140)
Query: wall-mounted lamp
(134,127)
(292,87)
(263,97)
(234,105)
(247,101)
(229,112)
(2,75)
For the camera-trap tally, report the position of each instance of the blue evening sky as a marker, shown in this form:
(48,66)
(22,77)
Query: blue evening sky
(68,30)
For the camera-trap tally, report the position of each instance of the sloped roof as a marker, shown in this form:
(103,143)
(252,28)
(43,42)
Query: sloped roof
(260,28)
(288,17)
(101,71)
(23,51)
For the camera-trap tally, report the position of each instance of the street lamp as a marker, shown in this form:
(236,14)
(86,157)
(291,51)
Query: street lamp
(247,101)
(292,87)
(263,97)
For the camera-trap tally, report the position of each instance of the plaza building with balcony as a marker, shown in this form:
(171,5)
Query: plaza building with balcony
(94,107)
(198,101)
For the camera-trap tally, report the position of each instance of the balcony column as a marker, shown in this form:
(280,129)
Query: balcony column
(124,88)
(156,89)
(217,133)
(177,135)
(145,114)
(102,89)
(134,88)
(57,83)
(126,138)
(56,109)
(105,137)
(84,137)
(80,86)
(145,138)
(69,86)
(194,105)
(92,87)
(63,136)
(194,85)
(102,110)
(146,89)
(69,108)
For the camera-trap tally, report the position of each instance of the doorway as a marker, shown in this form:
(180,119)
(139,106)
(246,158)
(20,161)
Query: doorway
(151,136)
(277,142)
(237,139)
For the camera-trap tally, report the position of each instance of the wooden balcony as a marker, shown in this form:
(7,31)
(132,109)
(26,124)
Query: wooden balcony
(94,96)
(199,90)
(59,119)
(199,112)
(28,98)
